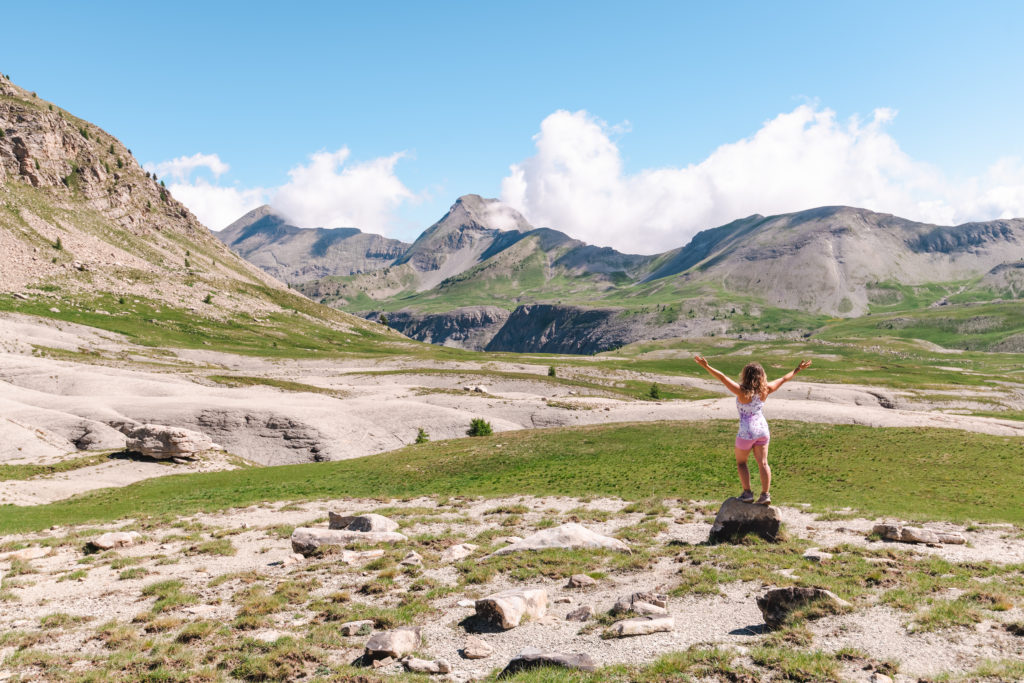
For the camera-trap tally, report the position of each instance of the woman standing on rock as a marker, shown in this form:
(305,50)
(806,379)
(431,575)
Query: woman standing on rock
(751,393)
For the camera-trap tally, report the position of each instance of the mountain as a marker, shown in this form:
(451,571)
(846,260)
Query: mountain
(87,235)
(266,239)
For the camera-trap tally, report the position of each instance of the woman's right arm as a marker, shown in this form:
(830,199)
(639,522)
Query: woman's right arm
(729,382)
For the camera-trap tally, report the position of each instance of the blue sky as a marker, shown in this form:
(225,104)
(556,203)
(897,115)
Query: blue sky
(462,91)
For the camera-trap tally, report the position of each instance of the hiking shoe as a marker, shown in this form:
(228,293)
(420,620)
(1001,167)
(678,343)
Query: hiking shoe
(764,499)
(747,497)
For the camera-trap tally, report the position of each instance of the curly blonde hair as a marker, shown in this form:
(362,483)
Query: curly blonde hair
(753,380)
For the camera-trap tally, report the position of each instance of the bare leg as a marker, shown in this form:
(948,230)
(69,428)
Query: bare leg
(764,469)
(741,467)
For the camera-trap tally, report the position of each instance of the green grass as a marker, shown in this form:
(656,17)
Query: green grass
(9,472)
(829,466)
(283,385)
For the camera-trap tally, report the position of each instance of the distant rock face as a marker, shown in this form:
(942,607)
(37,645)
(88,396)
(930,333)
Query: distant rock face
(470,328)
(736,519)
(162,443)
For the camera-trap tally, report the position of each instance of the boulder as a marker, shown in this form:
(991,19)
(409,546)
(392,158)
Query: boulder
(736,519)
(458,552)
(396,643)
(306,540)
(571,535)
(115,539)
(584,613)
(640,626)
(477,648)
(163,443)
(532,658)
(27,554)
(581,581)
(426,666)
(777,604)
(913,534)
(507,608)
(365,523)
(363,627)
(641,603)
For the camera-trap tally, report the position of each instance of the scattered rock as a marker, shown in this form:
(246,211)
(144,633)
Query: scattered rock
(480,389)
(27,554)
(359,556)
(584,613)
(163,443)
(877,677)
(294,558)
(19,295)
(507,608)
(466,603)
(641,603)
(736,519)
(384,661)
(458,552)
(363,627)
(396,643)
(426,666)
(817,555)
(477,648)
(268,636)
(581,581)
(563,599)
(777,604)
(533,658)
(115,539)
(640,626)
(305,540)
(913,534)
(571,535)
(413,559)
(508,539)
(365,523)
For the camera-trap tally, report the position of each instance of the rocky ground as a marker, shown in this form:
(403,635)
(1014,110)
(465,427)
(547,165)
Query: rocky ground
(224,593)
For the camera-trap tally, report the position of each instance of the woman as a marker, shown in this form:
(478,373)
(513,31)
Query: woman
(751,393)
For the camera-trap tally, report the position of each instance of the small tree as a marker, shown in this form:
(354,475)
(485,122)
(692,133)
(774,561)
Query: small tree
(421,435)
(58,245)
(654,392)
(551,371)
(110,150)
(479,427)
(384,320)
(208,299)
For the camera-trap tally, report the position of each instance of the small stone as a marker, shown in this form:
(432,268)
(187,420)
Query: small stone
(571,535)
(817,555)
(27,554)
(641,626)
(877,677)
(426,666)
(115,539)
(396,643)
(951,538)
(268,636)
(563,600)
(509,539)
(480,389)
(363,627)
(413,559)
(533,658)
(581,581)
(477,648)
(584,613)
(294,558)
(54,309)
(458,552)
(360,556)
(466,603)
(380,663)
(507,608)
(641,603)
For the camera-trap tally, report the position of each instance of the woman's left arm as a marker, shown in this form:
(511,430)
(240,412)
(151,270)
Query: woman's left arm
(774,385)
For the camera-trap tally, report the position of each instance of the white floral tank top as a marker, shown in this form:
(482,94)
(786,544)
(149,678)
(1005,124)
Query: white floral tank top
(752,422)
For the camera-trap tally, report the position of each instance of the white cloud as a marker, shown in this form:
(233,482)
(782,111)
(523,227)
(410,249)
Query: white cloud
(326,192)
(181,168)
(329,193)
(801,159)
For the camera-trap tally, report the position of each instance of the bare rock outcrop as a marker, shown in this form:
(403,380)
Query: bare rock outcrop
(571,535)
(163,443)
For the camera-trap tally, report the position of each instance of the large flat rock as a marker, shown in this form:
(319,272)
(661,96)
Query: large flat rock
(533,658)
(569,535)
(736,519)
(306,540)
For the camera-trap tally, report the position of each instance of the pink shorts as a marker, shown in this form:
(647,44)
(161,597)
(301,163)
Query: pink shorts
(747,444)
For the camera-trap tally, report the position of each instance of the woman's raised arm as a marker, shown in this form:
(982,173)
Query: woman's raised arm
(775,384)
(729,382)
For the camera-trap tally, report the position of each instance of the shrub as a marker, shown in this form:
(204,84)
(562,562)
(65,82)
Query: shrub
(384,320)
(58,245)
(84,131)
(479,427)
(654,392)
(421,435)
(110,150)
(551,371)
(2,134)
(120,163)
(208,299)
